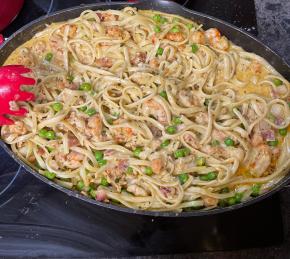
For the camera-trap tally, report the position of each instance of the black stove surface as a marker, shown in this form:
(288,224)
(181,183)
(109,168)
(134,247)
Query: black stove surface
(38,220)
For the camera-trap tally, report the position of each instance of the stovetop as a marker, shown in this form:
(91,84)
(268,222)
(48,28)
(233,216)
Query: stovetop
(38,220)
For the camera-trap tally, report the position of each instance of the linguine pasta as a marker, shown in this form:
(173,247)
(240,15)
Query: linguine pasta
(148,110)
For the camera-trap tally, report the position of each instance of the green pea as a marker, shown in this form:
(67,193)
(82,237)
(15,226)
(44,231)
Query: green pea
(229,142)
(209,176)
(165,143)
(57,107)
(225,190)
(80,185)
(186,151)
(102,162)
(238,197)
(49,175)
(231,201)
(277,82)
(175,29)
(70,78)
(183,178)
(83,108)
(85,87)
(49,149)
(189,26)
(283,132)
(215,143)
(157,17)
(164,95)
(92,193)
(159,51)
(176,120)
(50,135)
(171,129)
(223,203)
(194,48)
(273,143)
(157,29)
(163,20)
(179,153)
(104,182)
(137,151)
(200,161)
(289,104)
(255,189)
(42,133)
(99,155)
(48,56)
(91,111)
(175,19)
(110,121)
(129,170)
(148,170)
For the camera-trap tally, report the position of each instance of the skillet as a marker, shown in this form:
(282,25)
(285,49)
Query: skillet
(238,36)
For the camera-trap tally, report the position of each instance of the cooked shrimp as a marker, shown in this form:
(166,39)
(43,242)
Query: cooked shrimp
(107,17)
(95,126)
(256,67)
(198,37)
(154,63)
(209,201)
(114,31)
(39,48)
(73,160)
(192,140)
(122,134)
(157,165)
(155,109)
(137,190)
(260,160)
(72,29)
(188,99)
(140,57)
(175,36)
(213,37)
(17,128)
(104,62)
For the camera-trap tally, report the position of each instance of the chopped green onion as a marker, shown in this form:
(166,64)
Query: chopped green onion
(85,87)
(91,111)
(175,29)
(209,176)
(165,143)
(277,82)
(57,107)
(48,56)
(49,149)
(129,170)
(102,162)
(70,78)
(171,129)
(256,189)
(49,175)
(80,185)
(283,132)
(215,143)
(223,203)
(148,170)
(104,182)
(229,142)
(110,121)
(99,155)
(200,161)
(137,151)
(159,51)
(189,26)
(157,29)
(83,108)
(273,143)
(92,193)
(176,120)
(163,94)
(194,48)
(183,178)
